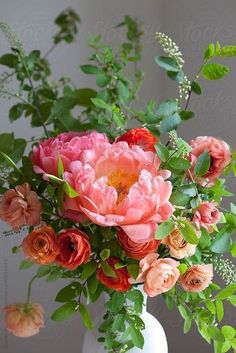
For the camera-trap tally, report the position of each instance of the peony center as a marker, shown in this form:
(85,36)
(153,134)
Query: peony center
(122,182)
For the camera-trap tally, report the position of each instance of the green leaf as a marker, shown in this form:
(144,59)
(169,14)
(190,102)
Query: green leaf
(101,104)
(232,300)
(227,51)
(60,168)
(233,208)
(65,311)
(69,292)
(188,232)
(88,269)
(211,306)
(83,96)
(176,76)
(69,190)
(187,325)
(196,88)
(203,164)
(136,337)
(179,163)
(170,123)
(189,189)
(214,71)
(164,229)
(105,254)
(44,270)
(228,332)
(9,60)
(10,162)
(167,63)
(162,151)
(183,311)
(186,115)
(119,323)
(85,316)
(167,107)
(136,297)
(133,270)
(209,52)
(25,264)
(117,302)
(182,268)
(219,309)
(118,118)
(179,198)
(54,275)
(215,333)
(107,269)
(226,292)
(90,69)
(16,111)
(124,91)
(221,243)
(103,80)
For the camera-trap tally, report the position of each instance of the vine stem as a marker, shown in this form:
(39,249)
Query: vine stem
(30,288)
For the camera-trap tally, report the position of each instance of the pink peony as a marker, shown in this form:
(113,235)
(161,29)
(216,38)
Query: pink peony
(20,206)
(219,153)
(158,275)
(206,215)
(71,146)
(24,320)
(122,189)
(197,278)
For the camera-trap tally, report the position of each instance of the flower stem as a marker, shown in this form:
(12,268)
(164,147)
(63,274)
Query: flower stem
(29,288)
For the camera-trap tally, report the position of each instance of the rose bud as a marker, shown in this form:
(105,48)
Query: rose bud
(197,278)
(24,320)
(140,137)
(120,283)
(20,206)
(178,246)
(136,250)
(74,248)
(206,215)
(220,157)
(41,245)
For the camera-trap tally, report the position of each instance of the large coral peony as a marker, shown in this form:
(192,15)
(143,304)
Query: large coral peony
(70,146)
(122,188)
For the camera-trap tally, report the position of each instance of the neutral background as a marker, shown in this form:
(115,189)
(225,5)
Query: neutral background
(193,25)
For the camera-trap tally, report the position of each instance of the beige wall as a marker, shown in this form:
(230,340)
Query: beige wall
(193,24)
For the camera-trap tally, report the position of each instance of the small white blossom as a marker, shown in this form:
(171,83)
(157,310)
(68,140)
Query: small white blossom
(170,48)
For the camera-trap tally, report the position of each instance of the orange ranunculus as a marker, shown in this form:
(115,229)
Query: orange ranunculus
(136,250)
(197,278)
(74,248)
(41,245)
(24,320)
(140,137)
(120,283)
(20,206)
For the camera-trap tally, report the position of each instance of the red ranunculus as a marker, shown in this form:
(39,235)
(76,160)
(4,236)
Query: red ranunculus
(136,250)
(141,137)
(120,283)
(74,248)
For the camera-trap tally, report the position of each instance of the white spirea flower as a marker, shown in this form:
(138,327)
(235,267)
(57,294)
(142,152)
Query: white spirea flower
(170,48)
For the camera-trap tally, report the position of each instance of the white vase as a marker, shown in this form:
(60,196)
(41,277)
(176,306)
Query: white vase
(154,336)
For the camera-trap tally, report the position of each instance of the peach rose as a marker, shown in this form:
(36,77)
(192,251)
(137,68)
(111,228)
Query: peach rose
(197,278)
(20,206)
(41,245)
(178,247)
(74,249)
(158,275)
(136,250)
(220,156)
(206,215)
(24,320)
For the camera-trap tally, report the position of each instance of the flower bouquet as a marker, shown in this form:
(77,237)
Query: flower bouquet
(110,197)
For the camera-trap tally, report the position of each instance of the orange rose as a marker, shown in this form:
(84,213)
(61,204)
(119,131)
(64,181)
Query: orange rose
(136,250)
(24,320)
(120,283)
(41,245)
(74,248)
(20,206)
(197,278)
(178,247)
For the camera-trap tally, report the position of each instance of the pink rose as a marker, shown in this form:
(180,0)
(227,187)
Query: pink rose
(197,278)
(206,215)
(122,188)
(24,320)
(158,275)
(70,146)
(178,247)
(219,153)
(20,206)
